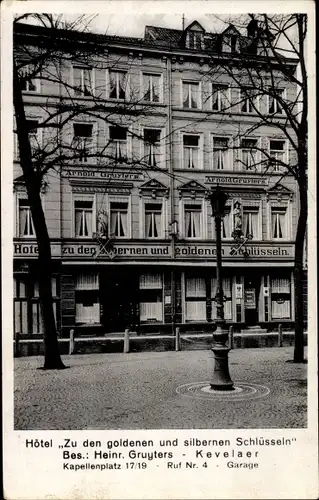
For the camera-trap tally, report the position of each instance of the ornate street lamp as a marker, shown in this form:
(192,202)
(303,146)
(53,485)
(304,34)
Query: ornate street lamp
(221,379)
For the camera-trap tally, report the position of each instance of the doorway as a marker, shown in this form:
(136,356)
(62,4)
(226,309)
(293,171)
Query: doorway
(251,297)
(119,293)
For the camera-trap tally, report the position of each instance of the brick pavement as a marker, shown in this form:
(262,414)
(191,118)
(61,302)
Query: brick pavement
(138,391)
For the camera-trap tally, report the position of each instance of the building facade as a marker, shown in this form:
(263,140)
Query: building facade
(132,233)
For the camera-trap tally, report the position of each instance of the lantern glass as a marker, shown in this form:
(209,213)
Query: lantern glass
(218,200)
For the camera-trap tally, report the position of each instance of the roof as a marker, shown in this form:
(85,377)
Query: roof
(154,36)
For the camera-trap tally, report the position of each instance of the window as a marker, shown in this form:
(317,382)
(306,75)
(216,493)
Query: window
(280,298)
(118,138)
(195,295)
(249,154)
(26,227)
(227,291)
(279,223)
(118,84)
(274,106)
(277,153)
(191,151)
(152,147)
(248,100)
(83,218)
(226,228)
(193,214)
(29,82)
(194,40)
(34,134)
(87,307)
(83,81)
(220,99)
(119,219)
(251,223)
(151,87)
(83,140)
(230,43)
(27,310)
(191,95)
(153,220)
(221,153)
(151,297)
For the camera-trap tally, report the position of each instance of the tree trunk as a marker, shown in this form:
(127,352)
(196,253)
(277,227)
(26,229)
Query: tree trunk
(299,275)
(52,359)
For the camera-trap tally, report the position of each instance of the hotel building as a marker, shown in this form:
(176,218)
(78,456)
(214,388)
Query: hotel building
(132,237)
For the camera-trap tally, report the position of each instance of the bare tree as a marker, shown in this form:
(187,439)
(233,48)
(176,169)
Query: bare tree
(46,51)
(267,69)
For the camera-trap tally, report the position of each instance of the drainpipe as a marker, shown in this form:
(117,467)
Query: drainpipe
(172,186)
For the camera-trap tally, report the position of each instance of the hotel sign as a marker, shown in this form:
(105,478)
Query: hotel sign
(103,174)
(237,180)
(160,251)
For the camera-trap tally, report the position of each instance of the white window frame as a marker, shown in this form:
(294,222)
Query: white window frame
(191,82)
(284,151)
(229,152)
(93,141)
(164,220)
(203,218)
(250,206)
(127,82)
(275,205)
(243,95)
(257,152)
(120,199)
(145,321)
(22,195)
(80,94)
(160,96)
(128,142)
(215,85)
(36,81)
(228,207)
(39,131)
(161,163)
(282,113)
(197,40)
(83,197)
(19,197)
(201,299)
(200,151)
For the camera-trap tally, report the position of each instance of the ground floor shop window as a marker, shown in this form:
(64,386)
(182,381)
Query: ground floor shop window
(27,309)
(151,297)
(227,291)
(87,307)
(280,298)
(195,303)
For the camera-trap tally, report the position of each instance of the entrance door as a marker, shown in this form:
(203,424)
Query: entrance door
(118,297)
(252,286)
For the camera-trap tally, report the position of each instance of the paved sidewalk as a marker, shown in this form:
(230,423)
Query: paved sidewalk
(138,391)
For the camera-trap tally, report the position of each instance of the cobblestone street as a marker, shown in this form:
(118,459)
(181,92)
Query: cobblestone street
(138,391)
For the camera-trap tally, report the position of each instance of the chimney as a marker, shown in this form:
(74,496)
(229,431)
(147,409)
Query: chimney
(252,28)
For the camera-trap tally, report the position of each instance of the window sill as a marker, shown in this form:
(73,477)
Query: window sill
(190,109)
(27,237)
(151,103)
(31,92)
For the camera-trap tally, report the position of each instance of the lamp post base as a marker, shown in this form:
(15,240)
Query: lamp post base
(221,380)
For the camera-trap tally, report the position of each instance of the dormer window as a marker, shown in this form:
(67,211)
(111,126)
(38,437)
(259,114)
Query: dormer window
(194,36)
(230,43)
(195,40)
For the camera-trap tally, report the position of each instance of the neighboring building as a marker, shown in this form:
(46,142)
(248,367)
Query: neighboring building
(134,245)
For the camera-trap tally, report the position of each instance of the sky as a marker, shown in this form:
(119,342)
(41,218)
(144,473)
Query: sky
(133,24)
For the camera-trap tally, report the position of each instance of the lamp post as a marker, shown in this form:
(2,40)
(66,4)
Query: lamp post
(221,379)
